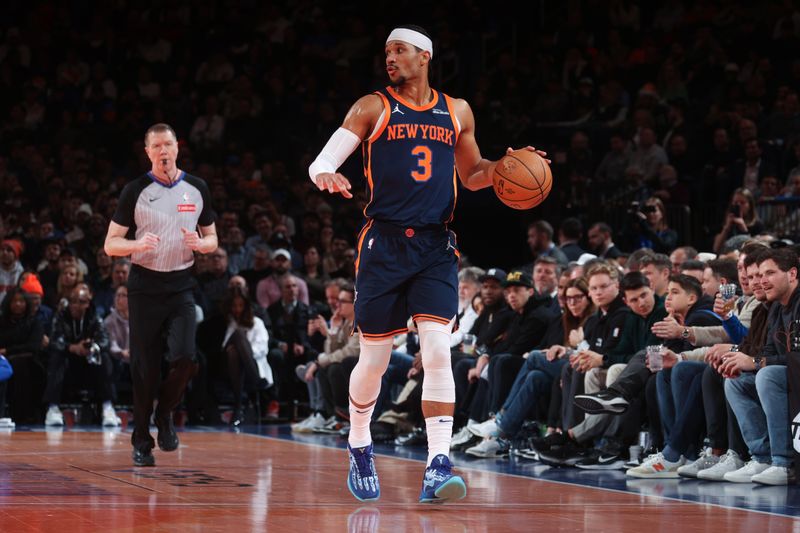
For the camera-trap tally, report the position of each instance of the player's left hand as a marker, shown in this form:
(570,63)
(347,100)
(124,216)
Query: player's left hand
(541,153)
(191,239)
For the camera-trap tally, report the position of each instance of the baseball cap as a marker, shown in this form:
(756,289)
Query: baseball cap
(518,277)
(282,252)
(494,273)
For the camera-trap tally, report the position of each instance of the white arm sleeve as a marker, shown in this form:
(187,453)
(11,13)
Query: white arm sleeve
(342,143)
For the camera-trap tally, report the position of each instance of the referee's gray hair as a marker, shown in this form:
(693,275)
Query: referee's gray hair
(471,275)
(161,127)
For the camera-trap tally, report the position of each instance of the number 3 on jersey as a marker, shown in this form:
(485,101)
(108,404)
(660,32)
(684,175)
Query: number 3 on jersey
(424,163)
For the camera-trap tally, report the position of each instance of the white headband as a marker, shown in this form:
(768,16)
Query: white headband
(412,37)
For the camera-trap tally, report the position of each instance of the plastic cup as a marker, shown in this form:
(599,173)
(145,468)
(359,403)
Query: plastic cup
(655,357)
(468,343)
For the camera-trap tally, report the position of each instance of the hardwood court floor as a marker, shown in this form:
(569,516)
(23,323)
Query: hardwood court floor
(221,481)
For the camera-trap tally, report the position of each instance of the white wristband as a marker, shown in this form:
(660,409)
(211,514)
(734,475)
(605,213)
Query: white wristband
(342,143)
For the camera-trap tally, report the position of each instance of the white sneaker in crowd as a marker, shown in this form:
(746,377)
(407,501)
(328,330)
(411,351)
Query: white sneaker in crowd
(462,437)
(656,466)
(309,424)
(110,418)
(706,460)
(54,417)
(774,475)
(729,462)
(491,447)
(745,474)
(485,429)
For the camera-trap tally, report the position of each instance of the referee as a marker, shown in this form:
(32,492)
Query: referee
(156,224)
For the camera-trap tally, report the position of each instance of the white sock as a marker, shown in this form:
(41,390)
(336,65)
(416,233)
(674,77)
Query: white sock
(440,433)
(365,385)
(107,405)
(359,425)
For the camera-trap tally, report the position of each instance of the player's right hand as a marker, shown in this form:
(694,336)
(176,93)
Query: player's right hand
(333,183)
(147,242)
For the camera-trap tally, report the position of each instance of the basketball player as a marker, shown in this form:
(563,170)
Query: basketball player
(156,224)
(414,138)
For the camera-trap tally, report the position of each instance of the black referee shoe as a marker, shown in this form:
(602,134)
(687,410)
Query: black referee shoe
(167,438)
(143,458)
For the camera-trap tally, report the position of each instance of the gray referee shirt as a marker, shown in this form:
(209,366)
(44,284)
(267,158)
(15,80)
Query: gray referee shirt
(148,205)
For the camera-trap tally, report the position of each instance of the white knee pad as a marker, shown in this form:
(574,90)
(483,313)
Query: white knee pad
(434,340)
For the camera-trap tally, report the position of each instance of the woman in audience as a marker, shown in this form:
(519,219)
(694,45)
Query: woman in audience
(741,219)
(651,229)
(69,278)
(245,344)
(313,274)
(20,339)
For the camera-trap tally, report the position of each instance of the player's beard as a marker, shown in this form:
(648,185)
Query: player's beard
(398,82)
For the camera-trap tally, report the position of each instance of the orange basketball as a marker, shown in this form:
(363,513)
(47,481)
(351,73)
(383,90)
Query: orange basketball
(522,179)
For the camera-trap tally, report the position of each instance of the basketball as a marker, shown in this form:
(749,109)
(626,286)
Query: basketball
(522,179)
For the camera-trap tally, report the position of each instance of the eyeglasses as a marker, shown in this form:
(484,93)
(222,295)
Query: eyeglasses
(575,299)
(345,301)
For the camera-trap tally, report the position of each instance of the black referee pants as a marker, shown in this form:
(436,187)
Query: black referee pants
(160,325)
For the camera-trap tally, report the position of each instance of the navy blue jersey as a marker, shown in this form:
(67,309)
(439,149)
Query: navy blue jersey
(409,162)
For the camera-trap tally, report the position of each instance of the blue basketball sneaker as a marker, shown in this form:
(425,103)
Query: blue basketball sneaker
(362,479)
(440,485)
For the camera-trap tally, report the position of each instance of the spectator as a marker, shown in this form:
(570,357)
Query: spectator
(657,269)
(20,341)
(79,350)
(757,385)
(740,219)
(333,365)
(600,242)
(245,346)
(648,227)
(119,347)
(290,317)
(10,267)
(569,235)
(269,291)
(313,274)
(680,256)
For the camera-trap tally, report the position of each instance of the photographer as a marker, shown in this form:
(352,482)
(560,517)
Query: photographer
(741,219)
(79,349)
(647,227)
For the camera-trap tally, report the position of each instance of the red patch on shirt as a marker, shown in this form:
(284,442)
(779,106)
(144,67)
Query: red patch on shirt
(187,207)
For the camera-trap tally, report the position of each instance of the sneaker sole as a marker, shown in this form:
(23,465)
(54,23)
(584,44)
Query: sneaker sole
(653,475)
(350,488)
(595,407)
(451,490)
(488,456)
(708,477)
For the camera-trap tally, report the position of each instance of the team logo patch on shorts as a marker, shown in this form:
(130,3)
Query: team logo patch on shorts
(182,208)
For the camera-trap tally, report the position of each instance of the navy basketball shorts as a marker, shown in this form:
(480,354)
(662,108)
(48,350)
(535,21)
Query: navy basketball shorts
(402,273)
